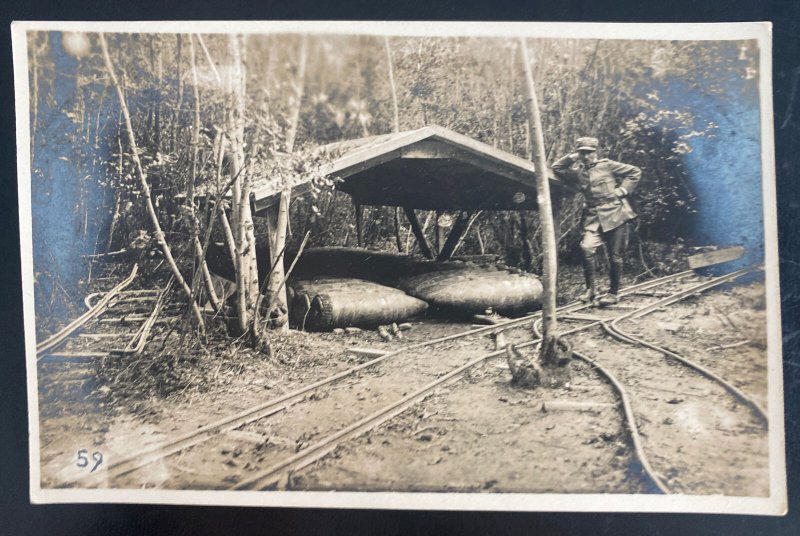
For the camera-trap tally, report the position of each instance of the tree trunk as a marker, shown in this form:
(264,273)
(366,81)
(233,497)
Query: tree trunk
(177,115)
(279,217)
(115,216)
(396,110)
(392,86)
(162,242)
(457,233)
(527,250)
(240,198)
(277,290)
(438,231)
(472,220)
(227,233)
(549,324)
(299,87)
(195,226)
(419,233)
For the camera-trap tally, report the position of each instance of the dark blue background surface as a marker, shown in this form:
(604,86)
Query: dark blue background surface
(18,517)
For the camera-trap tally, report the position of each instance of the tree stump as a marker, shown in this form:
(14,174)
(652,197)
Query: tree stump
(525,374)
(550,370)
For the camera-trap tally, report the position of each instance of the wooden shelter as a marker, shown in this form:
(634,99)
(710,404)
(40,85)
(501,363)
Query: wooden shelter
(431,168)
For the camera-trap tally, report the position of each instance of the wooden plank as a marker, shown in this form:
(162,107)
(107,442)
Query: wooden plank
(459,227)
(359,209)
(131,318)
(366,352)
(581,317)
(567,405)
(360,159)
(715,257)
(418,143)
(270,198)
(416,228)
(104,335)
(71,355)
(432,149)
(128,318)
(437,150)
(140,298)
(437,231)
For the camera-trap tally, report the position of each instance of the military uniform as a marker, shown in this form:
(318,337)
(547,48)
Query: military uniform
(604,210)
(605,184)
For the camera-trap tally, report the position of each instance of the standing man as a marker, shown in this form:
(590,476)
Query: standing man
(605,185)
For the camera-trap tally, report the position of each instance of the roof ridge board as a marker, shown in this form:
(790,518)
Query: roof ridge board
(483,148)
(391,144)
(366,141)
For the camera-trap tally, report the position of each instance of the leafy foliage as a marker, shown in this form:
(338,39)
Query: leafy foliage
(637,97)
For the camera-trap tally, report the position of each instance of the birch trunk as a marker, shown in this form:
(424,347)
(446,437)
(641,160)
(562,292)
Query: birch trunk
(396,110)
(395,106)
(240,198)
(195,226)
(276,289)
(162,242)
(549,323)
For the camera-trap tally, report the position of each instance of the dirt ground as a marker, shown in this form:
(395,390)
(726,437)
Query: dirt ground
(477,434)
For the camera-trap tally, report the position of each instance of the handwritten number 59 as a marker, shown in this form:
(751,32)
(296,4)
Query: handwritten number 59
(83,461)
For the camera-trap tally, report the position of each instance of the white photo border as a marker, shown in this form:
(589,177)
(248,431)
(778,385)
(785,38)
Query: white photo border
(775,504)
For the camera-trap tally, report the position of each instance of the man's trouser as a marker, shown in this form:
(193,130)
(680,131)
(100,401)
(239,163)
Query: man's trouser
(615,241)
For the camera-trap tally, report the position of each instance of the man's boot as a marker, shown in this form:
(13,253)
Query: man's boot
(588,274)
(616,276)
(608,299)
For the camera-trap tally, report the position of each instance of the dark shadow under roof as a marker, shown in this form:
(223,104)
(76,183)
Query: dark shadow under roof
(430,168)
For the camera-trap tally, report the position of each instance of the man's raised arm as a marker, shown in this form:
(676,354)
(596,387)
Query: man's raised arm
(627,175)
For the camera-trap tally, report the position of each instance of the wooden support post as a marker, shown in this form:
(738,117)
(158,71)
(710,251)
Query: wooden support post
(359,223)
(471,221)
(398,240)
(416,228)
(527,249)
(456,233)
(437,232)
(278,216)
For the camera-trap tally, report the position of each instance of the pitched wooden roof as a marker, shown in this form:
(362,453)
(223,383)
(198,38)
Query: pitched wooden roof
(430,168)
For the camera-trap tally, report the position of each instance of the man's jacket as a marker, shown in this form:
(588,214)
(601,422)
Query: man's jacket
(604,209)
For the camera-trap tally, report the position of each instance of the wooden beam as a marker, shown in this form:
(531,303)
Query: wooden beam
(429,142)
(472,219)
(569,405)
(438,150)
(397,228)
(458,230)
(359,223)
(437,231)
(715,257)
(527,249)
(367,352)
(416,228)
(262,200)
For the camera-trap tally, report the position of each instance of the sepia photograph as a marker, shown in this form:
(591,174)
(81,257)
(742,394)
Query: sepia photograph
(500,266)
